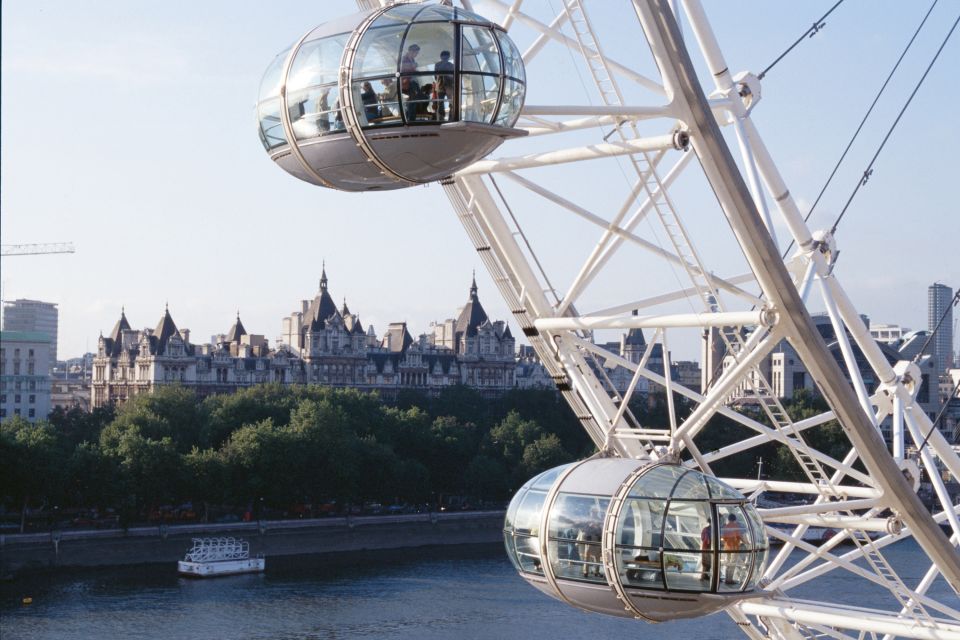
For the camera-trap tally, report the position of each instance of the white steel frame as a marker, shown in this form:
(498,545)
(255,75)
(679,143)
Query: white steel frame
(867,495)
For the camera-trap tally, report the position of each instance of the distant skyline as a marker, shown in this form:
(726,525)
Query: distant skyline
(128,129)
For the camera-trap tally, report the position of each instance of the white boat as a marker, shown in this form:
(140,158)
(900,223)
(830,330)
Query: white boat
(210,557)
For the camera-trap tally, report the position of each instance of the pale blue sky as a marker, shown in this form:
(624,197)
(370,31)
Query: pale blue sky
(128,128)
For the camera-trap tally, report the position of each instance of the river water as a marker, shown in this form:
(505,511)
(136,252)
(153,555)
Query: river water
(449,592)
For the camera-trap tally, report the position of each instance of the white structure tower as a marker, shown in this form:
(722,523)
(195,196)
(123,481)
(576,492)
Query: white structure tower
(939,299)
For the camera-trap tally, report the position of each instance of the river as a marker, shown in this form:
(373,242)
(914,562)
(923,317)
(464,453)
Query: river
(448,592)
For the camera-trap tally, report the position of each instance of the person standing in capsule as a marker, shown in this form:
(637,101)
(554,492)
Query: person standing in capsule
(731,537)
(409,86)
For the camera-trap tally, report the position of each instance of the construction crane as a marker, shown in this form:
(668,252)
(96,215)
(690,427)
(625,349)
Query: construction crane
(36,249)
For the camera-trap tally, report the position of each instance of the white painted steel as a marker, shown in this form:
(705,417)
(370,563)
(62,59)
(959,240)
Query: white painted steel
(575,154)
(719,319)
(505,232)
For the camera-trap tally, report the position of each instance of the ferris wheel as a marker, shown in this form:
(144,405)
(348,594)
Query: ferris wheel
(411,93)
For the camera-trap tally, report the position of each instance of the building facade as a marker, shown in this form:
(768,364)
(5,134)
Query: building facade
(319,344)
(24,375)
(887,332)
(787,374)
(940,305)
(33,316)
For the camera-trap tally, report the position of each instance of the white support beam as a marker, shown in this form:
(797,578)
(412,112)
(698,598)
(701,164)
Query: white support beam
(543,38)
(766,432)
(574,154)
(818,507)
(572,43)
(867,620)
(673,296)
(780,486)
(879,525)
(677,320)
(724,176)
(632,112)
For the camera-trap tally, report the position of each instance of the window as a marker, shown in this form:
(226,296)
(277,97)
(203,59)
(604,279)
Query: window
(32,399)
(3,398)
(16,398)
(30,353)
(799,380)
(32,413)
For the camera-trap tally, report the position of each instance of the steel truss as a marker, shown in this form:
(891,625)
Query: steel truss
(868,496)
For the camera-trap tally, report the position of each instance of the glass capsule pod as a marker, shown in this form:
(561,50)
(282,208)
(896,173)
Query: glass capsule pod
(622,537)
(402,95)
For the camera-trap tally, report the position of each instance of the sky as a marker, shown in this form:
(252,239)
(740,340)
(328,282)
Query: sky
(128,129)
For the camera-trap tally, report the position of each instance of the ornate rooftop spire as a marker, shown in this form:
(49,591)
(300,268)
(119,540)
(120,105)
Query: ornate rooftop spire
(323,277)
(473,286)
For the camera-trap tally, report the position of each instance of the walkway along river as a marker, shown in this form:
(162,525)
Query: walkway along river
(21,553)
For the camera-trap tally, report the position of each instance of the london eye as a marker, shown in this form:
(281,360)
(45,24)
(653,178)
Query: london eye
(654,526)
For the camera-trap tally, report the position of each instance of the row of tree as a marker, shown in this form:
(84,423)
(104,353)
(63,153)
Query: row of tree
(274,446)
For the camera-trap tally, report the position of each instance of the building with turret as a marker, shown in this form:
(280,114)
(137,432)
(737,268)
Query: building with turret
(319,344)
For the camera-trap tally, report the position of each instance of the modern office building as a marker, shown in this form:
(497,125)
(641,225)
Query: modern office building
(939,299)
(24,375)
(33,316)
(887,333)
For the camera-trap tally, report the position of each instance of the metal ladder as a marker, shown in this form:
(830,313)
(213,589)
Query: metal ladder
(882,568)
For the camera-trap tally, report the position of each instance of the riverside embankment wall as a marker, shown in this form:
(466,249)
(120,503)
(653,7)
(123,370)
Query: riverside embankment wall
(167,543)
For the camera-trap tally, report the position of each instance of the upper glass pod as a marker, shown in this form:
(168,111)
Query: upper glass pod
(638,528)
(414,92)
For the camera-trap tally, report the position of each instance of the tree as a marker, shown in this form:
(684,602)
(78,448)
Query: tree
(32,462)
(543,453)
(150,469)
(227,413)
(511,436)
(550,410)
(74,425)
(453,445)
(328,459)
(486,477)
(262,461)
(92,478)
(205,476)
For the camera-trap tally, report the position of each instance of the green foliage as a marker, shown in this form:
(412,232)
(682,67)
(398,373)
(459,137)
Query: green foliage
(32,462)
(150,470)
(524,448)
(75,425)
(543,453)
(280,445)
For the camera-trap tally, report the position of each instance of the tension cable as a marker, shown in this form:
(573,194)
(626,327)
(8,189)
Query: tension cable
(869,170)
(856,133)
(809,33)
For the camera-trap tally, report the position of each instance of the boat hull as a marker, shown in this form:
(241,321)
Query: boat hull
(220,568)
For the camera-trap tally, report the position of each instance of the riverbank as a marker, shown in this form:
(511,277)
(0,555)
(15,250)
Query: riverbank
(25,553)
